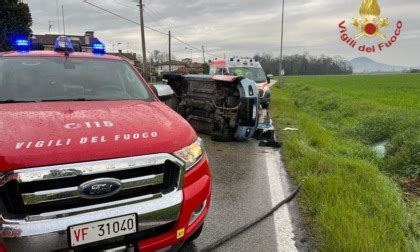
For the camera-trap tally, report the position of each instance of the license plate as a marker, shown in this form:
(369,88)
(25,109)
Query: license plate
(102,230)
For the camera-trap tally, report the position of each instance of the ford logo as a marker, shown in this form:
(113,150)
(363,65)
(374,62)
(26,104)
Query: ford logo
(99,188)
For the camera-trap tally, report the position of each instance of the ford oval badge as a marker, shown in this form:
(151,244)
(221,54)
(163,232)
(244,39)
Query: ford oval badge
(99,188)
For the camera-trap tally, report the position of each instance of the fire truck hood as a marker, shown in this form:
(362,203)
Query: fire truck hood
(42,134)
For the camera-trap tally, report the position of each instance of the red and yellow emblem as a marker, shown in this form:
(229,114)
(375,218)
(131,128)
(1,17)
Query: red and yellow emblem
(370,24)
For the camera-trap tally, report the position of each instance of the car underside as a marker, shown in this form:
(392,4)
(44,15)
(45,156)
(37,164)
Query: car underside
(225,107)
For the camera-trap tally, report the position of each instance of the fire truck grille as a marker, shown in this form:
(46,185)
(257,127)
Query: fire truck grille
(34,198)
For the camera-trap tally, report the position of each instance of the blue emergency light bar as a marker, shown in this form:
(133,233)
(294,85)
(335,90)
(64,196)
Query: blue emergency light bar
(63,44)
(22,45)
(98,47)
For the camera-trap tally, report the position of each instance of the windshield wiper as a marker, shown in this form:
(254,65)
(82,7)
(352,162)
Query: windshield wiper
(59,100)
(14,101)
(72,99)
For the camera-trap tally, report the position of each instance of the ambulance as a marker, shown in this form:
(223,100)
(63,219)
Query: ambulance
(247,68)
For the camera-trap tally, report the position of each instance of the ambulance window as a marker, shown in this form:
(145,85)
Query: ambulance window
(219,71)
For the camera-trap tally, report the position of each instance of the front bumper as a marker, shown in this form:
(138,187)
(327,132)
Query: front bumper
(172,209)
(197,189)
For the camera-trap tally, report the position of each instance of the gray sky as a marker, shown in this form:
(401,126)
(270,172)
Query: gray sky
(236,27)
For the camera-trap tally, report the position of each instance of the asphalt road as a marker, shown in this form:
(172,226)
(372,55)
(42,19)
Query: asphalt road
(248,181)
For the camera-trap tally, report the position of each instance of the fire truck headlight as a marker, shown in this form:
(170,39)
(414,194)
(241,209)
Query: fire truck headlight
(191,154)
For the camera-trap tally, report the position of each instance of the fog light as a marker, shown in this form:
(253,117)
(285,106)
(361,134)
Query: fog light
(197,212)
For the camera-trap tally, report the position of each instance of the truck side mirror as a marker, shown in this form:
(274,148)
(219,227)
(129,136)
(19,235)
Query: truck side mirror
(268,79)
(163,92)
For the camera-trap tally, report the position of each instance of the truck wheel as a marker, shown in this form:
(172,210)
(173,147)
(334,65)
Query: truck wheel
(196,234)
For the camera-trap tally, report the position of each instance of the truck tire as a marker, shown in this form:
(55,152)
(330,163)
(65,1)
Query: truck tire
(196,234)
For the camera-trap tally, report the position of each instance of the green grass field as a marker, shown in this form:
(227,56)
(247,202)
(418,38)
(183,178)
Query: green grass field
(352,197)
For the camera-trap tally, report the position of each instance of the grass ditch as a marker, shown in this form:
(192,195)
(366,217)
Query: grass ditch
(351,197)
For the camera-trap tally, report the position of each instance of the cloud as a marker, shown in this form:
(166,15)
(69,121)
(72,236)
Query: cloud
(235,27)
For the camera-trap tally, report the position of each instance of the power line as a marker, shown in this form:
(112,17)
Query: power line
(118,2)
(193,47)
(164,20)
(147,27)
(170,26)
(155,18)
(122,17)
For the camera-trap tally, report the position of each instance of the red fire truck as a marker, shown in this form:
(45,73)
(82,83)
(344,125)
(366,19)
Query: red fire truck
(90,159)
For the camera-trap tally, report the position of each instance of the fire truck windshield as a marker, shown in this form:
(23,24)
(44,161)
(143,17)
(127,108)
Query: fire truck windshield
(56,79)
(253,73)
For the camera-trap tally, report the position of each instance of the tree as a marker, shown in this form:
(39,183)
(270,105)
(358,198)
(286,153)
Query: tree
(305,64)
(15,20)
(206,68)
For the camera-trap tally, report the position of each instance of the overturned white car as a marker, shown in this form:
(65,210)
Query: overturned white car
(225,107)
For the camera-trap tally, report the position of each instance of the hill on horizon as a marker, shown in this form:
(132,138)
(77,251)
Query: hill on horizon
(366,65)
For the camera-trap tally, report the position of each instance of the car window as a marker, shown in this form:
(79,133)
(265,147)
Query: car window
(34,79)
(253,73)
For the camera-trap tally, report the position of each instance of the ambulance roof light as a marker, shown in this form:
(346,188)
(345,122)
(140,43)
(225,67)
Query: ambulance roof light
(63,44)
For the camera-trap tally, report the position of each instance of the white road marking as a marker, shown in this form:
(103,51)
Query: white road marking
(282,221)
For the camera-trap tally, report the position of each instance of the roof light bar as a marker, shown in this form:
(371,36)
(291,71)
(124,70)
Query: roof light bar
(98,47)
(22,45)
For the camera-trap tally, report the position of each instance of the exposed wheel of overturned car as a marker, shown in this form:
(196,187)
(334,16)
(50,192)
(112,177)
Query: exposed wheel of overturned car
(225,107)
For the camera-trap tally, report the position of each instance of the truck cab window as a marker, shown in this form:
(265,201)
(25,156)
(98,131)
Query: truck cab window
(43,79)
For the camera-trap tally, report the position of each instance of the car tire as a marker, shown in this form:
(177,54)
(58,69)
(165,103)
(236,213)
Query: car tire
(196,234)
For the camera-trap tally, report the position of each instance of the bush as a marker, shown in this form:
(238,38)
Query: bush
(403,155)
(375,128)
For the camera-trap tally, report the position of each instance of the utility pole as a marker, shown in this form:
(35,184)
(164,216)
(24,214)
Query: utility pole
(58,18)
(281,43)
(143,39)
(170,56)
(187,48)
(204,59)
(64,24)
(50,25)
